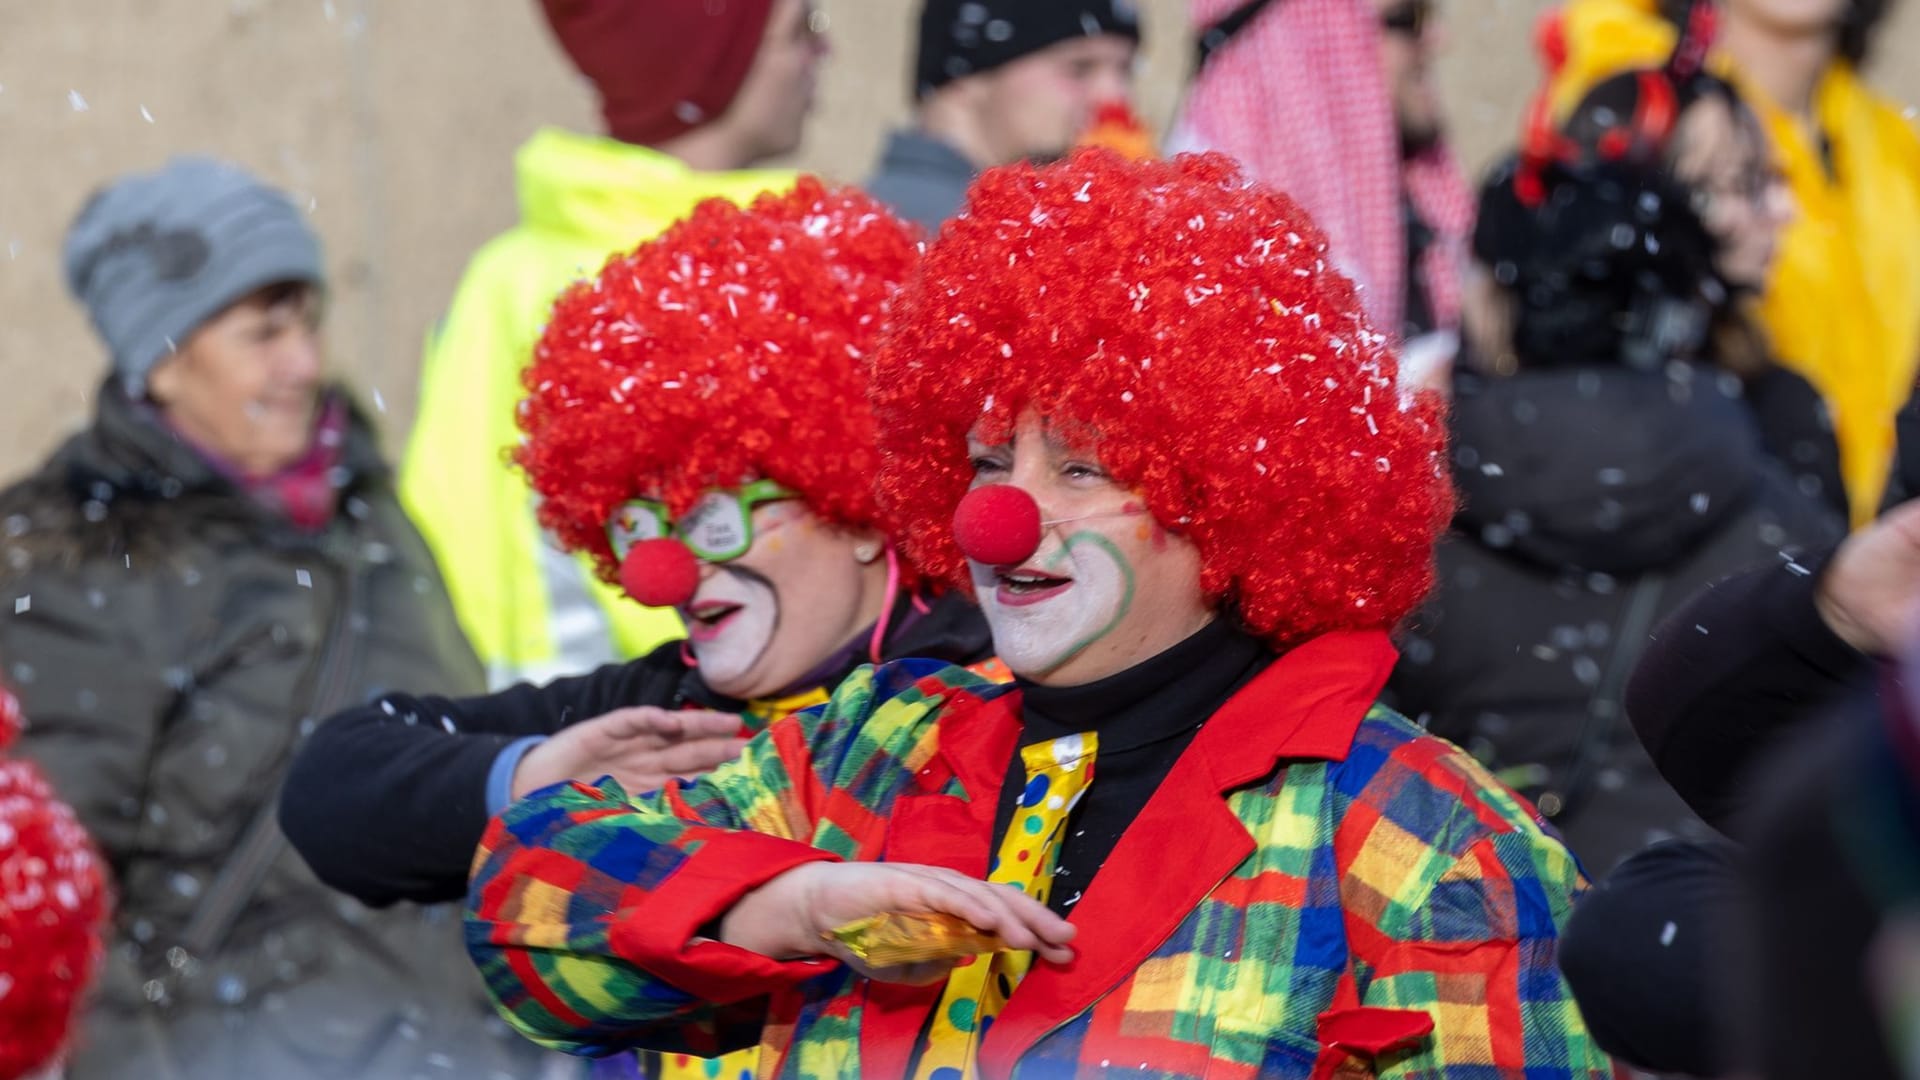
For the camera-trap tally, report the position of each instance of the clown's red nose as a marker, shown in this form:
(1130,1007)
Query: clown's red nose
(660,573)
(998,525)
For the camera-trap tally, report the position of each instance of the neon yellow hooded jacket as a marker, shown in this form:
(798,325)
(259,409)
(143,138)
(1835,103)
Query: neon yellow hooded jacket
(529,612)
(1843,304)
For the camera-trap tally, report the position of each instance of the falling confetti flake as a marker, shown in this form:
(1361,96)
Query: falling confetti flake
(23,605)
(145,115)
(74,99)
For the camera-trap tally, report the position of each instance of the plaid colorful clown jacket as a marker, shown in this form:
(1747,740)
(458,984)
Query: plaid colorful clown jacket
(1317,890)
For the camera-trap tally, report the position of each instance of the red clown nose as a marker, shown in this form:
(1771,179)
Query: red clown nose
(660,573)
(998,525)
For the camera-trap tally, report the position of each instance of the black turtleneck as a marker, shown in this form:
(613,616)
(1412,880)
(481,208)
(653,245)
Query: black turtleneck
(1146,717)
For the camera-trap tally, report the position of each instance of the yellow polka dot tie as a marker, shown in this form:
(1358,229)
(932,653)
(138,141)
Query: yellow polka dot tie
(762,713)
(1057,776)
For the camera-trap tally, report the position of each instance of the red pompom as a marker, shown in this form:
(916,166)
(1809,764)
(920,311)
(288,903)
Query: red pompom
(660,573)
(998,525)
(53,907)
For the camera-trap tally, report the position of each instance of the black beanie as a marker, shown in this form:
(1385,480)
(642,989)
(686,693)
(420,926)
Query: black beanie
(964,37)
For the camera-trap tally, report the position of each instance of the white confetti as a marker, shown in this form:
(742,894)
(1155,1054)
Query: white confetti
(1667,933)
(303,579)
(74,99)
(145,115)
(23,605)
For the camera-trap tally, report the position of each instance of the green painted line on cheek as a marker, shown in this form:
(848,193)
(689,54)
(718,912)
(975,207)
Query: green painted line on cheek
(1126,598)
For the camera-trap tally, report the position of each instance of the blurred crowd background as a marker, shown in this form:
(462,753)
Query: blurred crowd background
(397,123)
(1651,494)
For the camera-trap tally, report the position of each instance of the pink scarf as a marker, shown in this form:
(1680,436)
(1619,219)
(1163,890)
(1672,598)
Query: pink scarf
(305,492)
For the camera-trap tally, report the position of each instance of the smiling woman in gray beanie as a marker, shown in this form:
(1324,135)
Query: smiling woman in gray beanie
(217,558)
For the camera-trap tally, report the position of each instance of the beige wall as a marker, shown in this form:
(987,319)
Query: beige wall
(395,121)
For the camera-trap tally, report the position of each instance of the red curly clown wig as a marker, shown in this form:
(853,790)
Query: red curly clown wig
(735,346)
(1191,327)
(53,910)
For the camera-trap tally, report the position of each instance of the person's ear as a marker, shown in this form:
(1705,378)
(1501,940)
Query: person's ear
(868,546)
(163,382)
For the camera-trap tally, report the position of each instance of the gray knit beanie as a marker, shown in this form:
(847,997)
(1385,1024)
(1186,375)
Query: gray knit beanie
(155,255)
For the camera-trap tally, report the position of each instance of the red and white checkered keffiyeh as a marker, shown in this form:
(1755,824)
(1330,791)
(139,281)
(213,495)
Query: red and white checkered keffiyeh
(1445,201)
(1299,97)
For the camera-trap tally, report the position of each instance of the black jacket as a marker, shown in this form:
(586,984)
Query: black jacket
(388,801)
(1734,675)
(1772,728)
(1593,501)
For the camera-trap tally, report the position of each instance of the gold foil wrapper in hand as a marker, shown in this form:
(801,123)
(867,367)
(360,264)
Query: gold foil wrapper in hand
(897,938)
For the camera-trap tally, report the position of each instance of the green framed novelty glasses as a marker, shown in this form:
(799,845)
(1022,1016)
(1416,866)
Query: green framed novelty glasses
(719,526)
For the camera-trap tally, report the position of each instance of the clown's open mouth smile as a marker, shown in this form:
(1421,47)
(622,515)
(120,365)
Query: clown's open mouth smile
(706,619)
(1029,586)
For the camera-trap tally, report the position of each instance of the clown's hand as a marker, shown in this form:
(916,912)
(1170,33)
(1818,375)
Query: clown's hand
(794,915)
(642,747)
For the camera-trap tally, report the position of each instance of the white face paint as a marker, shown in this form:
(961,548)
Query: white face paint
(1108,587)
(730,623)
(1082,589)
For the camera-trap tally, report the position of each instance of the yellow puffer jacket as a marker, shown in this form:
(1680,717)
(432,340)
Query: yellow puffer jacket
(1843,305)
(530,612)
